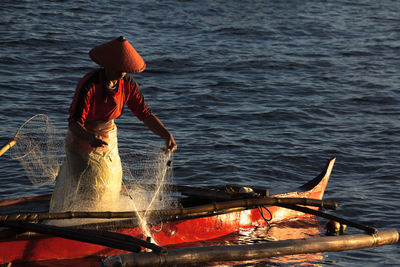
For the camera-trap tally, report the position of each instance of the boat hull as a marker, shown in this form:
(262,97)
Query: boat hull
(39,247)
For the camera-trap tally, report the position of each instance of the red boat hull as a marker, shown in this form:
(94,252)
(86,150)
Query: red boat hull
(171,233)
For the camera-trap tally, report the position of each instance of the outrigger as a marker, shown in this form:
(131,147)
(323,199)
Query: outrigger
(205,214)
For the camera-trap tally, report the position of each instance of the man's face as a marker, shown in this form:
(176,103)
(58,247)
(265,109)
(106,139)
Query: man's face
(114,75)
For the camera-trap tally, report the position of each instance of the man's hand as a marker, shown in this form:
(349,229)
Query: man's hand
(170,145)
(95,141)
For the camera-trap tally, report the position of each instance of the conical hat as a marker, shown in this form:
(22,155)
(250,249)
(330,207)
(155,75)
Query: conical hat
(118,55)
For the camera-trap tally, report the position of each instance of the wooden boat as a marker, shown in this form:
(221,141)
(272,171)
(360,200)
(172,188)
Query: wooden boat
(19,242)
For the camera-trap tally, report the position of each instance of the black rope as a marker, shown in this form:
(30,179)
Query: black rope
(260,209)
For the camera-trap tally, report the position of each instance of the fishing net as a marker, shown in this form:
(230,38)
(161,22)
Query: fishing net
(144,186)
(38,149)
(146,178)
(89,180)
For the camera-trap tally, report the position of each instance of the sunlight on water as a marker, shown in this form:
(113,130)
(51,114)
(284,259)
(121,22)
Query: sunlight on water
(294,229)
(257,93)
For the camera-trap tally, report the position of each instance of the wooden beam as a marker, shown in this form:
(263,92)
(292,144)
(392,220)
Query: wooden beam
(242,203)
(104,238)
(360,226)
(255,251)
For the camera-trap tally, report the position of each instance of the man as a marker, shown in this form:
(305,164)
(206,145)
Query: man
(91,176)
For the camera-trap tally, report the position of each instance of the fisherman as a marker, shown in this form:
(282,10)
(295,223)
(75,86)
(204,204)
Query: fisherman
(91,175)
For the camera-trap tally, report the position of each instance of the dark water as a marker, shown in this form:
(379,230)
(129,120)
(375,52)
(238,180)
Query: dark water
(255,92)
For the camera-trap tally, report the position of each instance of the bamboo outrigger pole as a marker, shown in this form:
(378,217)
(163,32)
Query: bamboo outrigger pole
(104,238)
(255,251)
(366,228)
(241,204)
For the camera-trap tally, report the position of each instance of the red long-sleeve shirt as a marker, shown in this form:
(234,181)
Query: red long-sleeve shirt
(93,101)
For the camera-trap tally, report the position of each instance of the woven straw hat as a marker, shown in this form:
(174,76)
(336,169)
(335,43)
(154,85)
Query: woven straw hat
(118,55)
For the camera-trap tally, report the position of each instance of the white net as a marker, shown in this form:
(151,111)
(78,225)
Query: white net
(38,149)
(146,177)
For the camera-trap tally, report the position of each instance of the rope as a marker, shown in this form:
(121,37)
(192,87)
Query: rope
(260,209)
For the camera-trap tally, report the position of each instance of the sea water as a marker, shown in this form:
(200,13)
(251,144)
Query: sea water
(257,93)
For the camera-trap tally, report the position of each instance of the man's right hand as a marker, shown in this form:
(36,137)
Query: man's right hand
(95,141)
